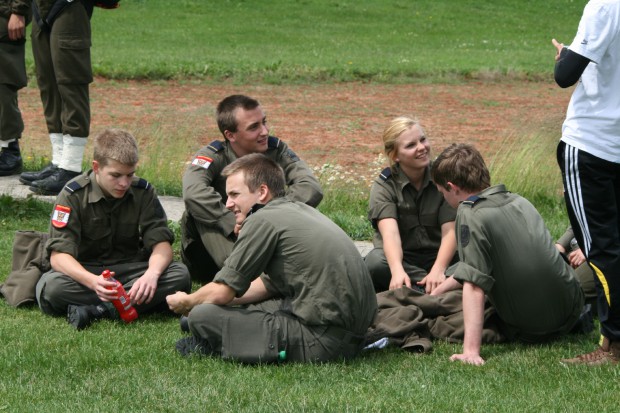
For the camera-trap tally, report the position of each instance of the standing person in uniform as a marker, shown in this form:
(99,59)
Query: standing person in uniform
(589,157)
(309,296)
(536,298)
(14,16)
(109,219)
(61,40)
(414,226)
(208,228)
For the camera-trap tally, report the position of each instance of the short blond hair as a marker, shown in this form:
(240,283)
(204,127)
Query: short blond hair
(116,144)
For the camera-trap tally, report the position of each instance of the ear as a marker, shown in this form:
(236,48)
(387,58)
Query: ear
(96,167)
(452,187)
(264,194)
(229,135)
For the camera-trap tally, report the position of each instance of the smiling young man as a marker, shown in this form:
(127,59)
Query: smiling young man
(537,297)
(294,286)
(208,227)
(109,219)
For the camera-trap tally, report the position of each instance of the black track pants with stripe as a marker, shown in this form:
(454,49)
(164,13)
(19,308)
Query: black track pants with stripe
(592,193)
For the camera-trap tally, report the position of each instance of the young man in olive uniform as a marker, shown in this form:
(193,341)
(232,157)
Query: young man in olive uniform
(109,219)
(507,254)
(61,51)
(310,295)
(208,228)
(14,16)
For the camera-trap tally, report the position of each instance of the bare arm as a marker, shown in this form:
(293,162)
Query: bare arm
(447,248)
(212,293)
(448,285)
(144,288)
(256,293)
(473,314)
(393,249)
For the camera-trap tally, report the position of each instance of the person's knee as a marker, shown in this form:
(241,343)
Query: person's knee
(48,293)
(379,270)
(203,312)
(180,276)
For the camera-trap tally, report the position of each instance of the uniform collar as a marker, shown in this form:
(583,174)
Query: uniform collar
(96,194)
(403,181)
(492,190)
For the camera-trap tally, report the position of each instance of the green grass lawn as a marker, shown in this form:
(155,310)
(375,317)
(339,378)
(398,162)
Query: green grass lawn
(46,366)
(329,40)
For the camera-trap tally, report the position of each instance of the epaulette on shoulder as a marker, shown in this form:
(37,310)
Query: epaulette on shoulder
(273,142)
(216,146)
(141,183)
(76,184)
(385,174)
(471,201)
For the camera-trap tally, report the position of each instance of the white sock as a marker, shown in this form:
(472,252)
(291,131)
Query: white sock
(56,140)
(72,153)
(5,144)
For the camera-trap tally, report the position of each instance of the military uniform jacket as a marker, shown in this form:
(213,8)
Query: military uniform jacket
(204,187)
(506,250)
(100,231)
(308,261)
(420,215)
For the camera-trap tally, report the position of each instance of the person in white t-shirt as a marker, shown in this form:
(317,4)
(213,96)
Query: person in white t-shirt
(589,157)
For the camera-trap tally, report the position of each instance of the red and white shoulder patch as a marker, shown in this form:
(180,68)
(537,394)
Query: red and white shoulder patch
(202,161)
(60,216)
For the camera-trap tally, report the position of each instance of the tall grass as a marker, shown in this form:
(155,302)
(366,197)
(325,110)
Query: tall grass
(527,165)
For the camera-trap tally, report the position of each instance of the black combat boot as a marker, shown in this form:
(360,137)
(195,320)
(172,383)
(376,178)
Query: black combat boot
(184,323)
(53,184)
(193,345)
(10,159)
(81,316)
(27,178)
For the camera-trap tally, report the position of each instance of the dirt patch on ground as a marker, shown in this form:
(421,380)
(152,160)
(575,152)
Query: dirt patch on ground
(327,123)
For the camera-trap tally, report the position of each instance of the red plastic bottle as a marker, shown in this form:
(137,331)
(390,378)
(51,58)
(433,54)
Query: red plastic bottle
(122,303)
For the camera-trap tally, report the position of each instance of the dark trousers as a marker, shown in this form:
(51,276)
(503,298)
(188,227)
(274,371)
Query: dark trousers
(203,249)
(63,66)
(592,193)
(56,291)
(12,78)
(259,332)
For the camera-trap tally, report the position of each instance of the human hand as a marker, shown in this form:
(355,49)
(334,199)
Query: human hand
(399,279)
(176,303)
(576,258)
(105,290)
(16,27)
(432,280)
(143,290)
(559,47)
(237,229)
(474,359)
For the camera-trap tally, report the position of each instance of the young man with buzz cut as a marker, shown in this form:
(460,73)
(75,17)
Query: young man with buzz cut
(537,298)
(208,229)
(294,287)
